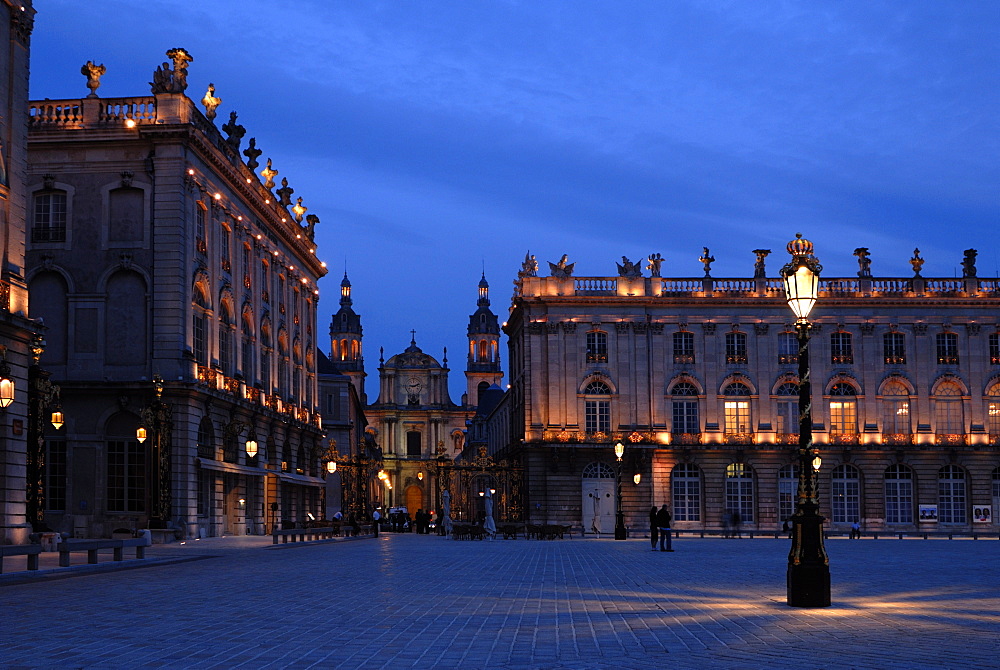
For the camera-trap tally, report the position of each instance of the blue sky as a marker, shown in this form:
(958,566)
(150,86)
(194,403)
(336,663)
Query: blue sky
(436,139)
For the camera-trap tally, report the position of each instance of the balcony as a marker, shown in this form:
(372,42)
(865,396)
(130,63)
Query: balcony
(685,438)
(845,438)
(897,439)
(48,234)
(950,440)
(684,359)
(738,438)
(786,438)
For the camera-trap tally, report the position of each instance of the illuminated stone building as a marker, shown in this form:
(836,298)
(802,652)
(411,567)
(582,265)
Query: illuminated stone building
(16,331)
(414,417)
(157,252)
(698,378)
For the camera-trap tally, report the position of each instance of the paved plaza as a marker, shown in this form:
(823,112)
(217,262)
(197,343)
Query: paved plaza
(403,601)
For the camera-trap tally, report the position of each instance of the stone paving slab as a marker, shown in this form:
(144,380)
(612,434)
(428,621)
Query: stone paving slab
(402,601)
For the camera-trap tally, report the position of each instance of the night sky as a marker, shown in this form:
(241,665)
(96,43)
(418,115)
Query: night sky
(438,139)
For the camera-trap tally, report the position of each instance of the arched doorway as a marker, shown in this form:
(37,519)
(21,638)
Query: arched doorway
(597,505)
(414,500)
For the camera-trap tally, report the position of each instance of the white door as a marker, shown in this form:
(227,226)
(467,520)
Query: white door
(597,502)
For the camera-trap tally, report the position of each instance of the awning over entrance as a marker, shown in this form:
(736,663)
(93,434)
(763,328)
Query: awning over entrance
(209,464)
(305,480)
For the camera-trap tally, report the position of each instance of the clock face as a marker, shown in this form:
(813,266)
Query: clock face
(413,385)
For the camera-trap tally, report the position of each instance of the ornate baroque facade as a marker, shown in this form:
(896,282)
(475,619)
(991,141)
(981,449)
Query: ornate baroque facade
(157,251)
(698,378)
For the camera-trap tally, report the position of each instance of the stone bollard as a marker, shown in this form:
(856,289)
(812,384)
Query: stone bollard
(147,536)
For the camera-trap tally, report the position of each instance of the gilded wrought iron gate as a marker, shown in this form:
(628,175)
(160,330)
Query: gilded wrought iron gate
(466,480)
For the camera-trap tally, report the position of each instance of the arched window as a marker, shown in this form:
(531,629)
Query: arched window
(685,485)
(788,487)
(898,494)
(479,390)
(597,411)
(597,346)
(737,409)
(951,495)
(895,413)
(301,463)
(739,491)
(50,302)
(484,351)
(684,409)
(845,494)
(788,410)
(598,471)
(843,410)
(948,416)
(736,348)
(206,439)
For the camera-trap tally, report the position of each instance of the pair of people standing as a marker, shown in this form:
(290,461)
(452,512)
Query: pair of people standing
(659,528)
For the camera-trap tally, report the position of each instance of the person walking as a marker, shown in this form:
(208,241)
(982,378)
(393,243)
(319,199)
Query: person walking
(652,527)
(663,520)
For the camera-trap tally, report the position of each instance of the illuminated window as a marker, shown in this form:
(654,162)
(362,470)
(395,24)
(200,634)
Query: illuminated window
(898,494)
(896,410)
(737,408)
(843,410)
(683,347)
(894,348)
(841,348)
(736,347)
(597,347)
(993,411)
(685,485)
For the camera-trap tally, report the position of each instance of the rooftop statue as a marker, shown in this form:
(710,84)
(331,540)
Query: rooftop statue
(234,132)
(210,102)
(268,173)
(628,269)
(299,210)
(167,80)
(285,193)
(655,260)
(917,262)
(529,268)
(252,153)
(707,261)
(311,221)
(759,272)
(969,263)
(562,269)
(93,74)
(864,262)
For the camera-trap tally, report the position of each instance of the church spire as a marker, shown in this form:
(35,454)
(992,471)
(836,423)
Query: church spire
(483,368)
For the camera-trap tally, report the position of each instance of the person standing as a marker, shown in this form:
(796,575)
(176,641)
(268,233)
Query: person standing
(663,520)
(375,519)
(652,527)
(855,530)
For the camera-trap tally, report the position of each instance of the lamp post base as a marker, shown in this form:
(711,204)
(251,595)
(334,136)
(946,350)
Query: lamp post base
(809,585)
(621,533)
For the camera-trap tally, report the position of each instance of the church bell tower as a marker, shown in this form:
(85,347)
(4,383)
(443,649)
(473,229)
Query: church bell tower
(483,369)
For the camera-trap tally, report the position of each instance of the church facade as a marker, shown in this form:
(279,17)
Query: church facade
(178,285)
(697,377)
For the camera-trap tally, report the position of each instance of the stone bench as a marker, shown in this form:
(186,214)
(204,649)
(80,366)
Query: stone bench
(30,550)
(304,534)
(69,547)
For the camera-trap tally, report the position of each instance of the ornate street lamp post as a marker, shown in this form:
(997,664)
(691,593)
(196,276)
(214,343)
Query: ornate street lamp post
(620,533)
(157,423)
(808,577)
(43,395)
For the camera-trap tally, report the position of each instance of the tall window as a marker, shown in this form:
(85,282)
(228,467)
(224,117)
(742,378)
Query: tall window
(597,347)
(994,348)
(841,348)
(265,369)
(788,409)
(951,494)
(413,447)
(684,406)
(225,246)
(683,347)
(896,413)
(265,282)
(788,348)
(200,339)
(200,227)
(737,408)
(996,493)
(845,494)
(993,413)
(894,348)
(898,494)
(736,347)
(947,348)
(126,476)
(597,411)
(788,488)
(843,410)
(948,414)
(230,447)
(247,267)
(50,217)
(685,485)
(246,359)
(206,439)
(739,491)
(55,475)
